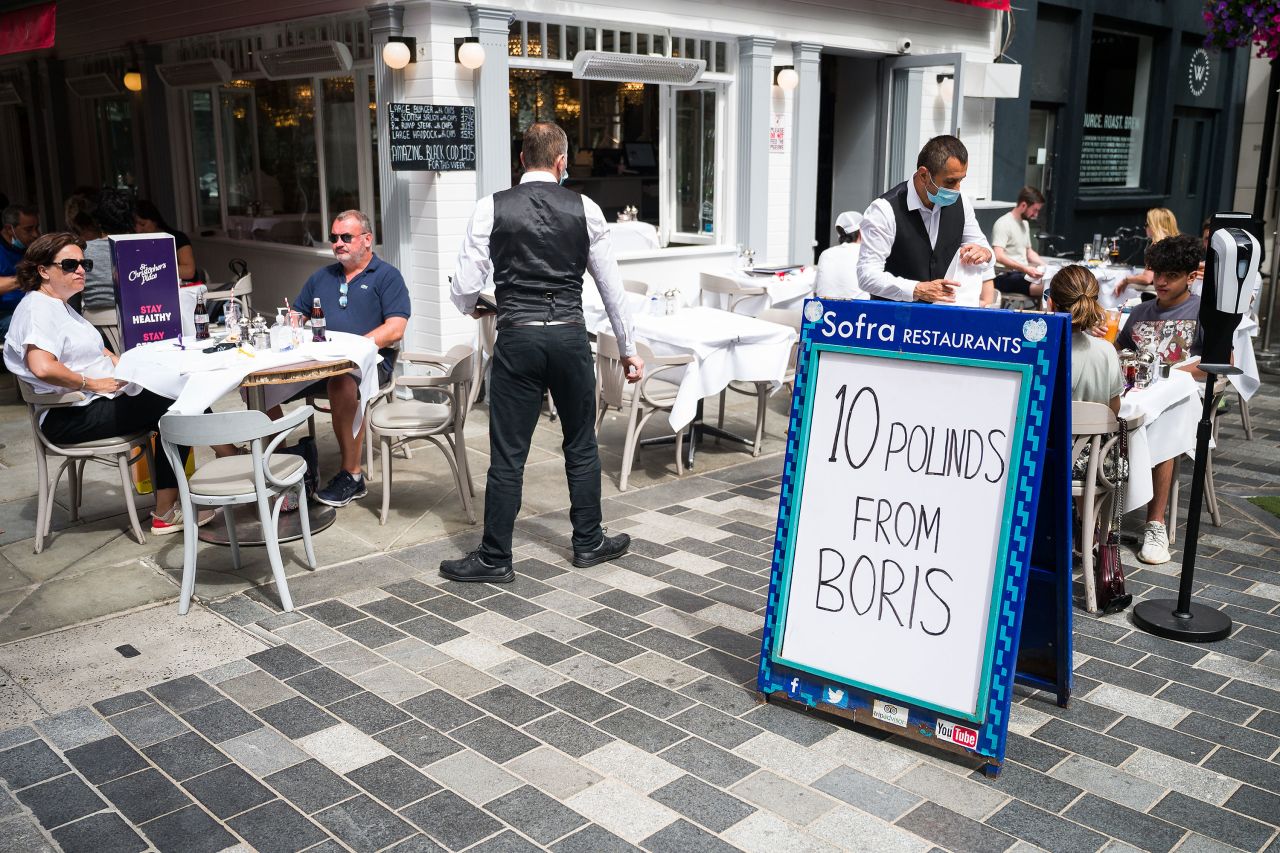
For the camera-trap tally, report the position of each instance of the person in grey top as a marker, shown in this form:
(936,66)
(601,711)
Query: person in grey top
(114,215)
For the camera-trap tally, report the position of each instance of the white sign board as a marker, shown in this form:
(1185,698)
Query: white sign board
(899,538)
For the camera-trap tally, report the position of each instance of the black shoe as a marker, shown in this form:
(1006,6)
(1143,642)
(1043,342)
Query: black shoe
(473,569)
(342,489)
(609,548)
(306,448)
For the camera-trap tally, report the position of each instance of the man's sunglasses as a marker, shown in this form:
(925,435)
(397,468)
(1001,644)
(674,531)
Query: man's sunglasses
(69,264)
(345,238)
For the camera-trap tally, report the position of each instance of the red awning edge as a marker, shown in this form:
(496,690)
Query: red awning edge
(27,29)
(998,5)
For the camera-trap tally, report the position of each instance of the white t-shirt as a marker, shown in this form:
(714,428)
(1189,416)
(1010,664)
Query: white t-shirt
(838,273)
(51,325)
(1013,235)
(1095,369)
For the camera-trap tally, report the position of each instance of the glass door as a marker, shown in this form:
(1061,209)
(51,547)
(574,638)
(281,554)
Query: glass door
(1042,125)
(923,98)
(690,190)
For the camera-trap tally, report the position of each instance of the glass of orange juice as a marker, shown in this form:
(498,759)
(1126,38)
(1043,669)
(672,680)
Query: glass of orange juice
(1113,324)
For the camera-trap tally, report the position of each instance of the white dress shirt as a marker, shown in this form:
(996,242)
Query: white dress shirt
(474,264)
(838,273)
(879,228)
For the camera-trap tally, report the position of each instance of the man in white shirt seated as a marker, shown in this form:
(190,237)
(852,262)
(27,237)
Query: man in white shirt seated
(1020,267)
(911,234)
(838,266)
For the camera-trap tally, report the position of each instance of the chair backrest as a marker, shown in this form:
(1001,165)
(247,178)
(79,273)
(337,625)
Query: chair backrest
(221,427)
(733,290)
(1092,419)
(107,321)
(610,377)
(243,285)
(789,317)
(630,285)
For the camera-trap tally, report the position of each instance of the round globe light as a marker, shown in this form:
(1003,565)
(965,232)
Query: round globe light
(471,55)
(788,79)
(133,81)
(396,54)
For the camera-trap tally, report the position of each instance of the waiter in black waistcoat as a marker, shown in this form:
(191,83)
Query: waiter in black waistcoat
(911,234)
(537,239)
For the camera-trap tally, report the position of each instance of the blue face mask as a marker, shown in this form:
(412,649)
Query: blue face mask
(943,196)
(564,176)
(18,244)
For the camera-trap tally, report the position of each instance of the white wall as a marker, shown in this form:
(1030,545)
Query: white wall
(780,108)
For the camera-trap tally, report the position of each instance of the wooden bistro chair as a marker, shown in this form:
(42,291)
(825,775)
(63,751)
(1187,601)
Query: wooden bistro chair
(116,450)
(641,400)
(441,423)
(256,477)
(1094,426)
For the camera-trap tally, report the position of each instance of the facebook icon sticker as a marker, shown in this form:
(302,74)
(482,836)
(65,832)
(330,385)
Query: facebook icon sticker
(793,688)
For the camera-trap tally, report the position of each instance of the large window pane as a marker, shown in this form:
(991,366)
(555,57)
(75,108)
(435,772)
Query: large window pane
(341,163)
(239,164)
(376,213)
(1115,110)
(115,121)
(612,130)
(695,161)
(204,160)
(288,179)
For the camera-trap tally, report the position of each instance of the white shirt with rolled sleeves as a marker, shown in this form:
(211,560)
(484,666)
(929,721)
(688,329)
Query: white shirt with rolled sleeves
(879,228)
(474,264)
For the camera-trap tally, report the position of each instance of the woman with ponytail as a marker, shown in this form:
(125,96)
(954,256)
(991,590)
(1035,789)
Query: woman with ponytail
(1095,367)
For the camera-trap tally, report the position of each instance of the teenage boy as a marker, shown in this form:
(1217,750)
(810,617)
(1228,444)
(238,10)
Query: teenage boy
(1172,261)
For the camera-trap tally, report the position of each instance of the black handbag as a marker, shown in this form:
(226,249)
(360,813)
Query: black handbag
(1108,572)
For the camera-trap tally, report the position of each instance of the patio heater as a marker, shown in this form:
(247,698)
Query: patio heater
(1230,276)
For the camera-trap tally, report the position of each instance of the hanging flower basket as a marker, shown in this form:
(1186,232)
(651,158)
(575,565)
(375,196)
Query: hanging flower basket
(1240,23)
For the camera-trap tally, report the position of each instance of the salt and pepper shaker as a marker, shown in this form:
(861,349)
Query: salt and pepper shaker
(261,336)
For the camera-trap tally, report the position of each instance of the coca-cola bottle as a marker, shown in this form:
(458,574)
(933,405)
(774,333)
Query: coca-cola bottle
(201,318)
(317,321)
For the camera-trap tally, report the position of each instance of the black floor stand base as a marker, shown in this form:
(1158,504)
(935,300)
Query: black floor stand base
(1201,624)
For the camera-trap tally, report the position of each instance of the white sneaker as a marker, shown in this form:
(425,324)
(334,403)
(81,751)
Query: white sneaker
(1155,544)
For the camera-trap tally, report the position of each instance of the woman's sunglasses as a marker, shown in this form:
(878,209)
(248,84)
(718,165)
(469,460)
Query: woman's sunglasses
(69,264)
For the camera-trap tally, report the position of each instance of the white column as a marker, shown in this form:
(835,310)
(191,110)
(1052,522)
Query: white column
(804,150)
(755,64)
(386,20)
(493,105)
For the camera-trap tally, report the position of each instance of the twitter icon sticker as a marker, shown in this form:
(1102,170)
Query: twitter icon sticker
(836,696)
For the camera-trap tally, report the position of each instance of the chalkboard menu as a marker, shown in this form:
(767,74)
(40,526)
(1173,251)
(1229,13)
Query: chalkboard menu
(432,137)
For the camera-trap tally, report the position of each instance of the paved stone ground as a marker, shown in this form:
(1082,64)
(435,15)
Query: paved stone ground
(611,708)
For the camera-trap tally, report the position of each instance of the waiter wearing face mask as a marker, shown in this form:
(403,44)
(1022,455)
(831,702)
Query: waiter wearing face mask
(911,234)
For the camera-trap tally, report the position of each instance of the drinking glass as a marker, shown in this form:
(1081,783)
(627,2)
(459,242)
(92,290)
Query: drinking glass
(231,319)
(1113,324)
(1087,254)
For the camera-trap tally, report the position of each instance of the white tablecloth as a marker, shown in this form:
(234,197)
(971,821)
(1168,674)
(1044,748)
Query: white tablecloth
(725,347)
(1248,382)
(166,370)
(785,291)
(1170,410)
(633,236)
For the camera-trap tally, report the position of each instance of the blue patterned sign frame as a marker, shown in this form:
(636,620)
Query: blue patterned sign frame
(926,333)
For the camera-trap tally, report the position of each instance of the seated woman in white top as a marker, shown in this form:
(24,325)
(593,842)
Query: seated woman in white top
(838,266)
(55,350)
(1095,366)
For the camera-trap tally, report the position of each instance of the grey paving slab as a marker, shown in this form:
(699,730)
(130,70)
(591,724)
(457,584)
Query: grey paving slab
(263,751)
(276,827)
(105,759)
(537,815)
(100,833)
(185,756)
(867,793)
(310,785)
(189,830)
(952,831)
(73,728)
(393,782)
(451,820)
(30,763)
(707,806)
(363,825)
(144,795)
(297,717)
(148,724)
(60,800)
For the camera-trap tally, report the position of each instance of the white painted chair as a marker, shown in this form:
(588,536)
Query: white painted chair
(107,322)
(630,285)
(256,477)
(1094,426)
(656,392)
(116,450)
(732,290)
(400,422)
(241,291)
(791,318)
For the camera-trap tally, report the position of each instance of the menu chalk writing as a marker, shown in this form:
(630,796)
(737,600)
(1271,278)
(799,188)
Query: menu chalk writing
(432,137)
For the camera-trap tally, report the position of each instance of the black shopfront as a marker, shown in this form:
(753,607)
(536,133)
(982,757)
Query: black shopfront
(1121,109)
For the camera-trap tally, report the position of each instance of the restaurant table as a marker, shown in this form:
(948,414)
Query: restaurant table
(268,378)
(726,347)
(634,236)
(780,291)
(1170,410)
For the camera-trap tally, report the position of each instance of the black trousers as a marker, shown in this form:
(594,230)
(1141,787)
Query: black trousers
(106,417)
(1013,281)
(528,361)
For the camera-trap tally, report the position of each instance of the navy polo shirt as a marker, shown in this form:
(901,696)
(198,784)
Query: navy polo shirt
(377,293)
(9,258)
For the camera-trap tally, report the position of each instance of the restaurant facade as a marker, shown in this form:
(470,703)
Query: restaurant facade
(1133,113)
(723,127)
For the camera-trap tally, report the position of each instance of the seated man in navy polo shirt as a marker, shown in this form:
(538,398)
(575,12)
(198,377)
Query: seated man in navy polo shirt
(19,228)
(363,295)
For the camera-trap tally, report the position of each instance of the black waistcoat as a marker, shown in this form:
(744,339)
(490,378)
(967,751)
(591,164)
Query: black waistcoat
(539,247)
(912,257)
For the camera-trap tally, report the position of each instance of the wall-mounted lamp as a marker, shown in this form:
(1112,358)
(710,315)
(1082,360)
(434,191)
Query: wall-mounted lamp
(946,87)
(468,52)
(786,78)
(399,51)
(133,80)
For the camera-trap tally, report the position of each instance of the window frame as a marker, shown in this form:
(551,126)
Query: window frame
(668,196)
(361,74)
(1140,140)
